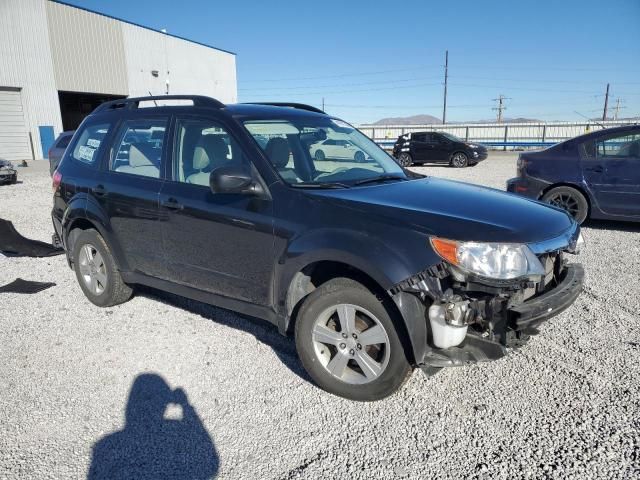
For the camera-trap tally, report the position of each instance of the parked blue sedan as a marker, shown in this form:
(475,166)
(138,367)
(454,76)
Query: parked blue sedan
(596,175)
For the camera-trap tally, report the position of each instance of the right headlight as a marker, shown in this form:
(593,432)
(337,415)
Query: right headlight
(500,261)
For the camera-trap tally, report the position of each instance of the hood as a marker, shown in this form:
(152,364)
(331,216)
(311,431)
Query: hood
(455,210)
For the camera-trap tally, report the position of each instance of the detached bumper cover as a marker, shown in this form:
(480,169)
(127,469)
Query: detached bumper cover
(535,311)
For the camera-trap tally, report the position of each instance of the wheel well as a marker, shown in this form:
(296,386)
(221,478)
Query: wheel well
(74,230)
(315,274)
(570,185)
(458,151)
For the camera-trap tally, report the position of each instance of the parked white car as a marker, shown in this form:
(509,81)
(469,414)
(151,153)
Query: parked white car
(336,149)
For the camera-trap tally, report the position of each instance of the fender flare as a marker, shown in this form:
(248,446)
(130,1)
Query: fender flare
(354,249)
(86,210)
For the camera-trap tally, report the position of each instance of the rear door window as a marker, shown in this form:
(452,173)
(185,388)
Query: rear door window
(139,147)
(89,145)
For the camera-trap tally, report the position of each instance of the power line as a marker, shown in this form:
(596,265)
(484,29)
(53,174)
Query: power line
(379,82)
(343,75)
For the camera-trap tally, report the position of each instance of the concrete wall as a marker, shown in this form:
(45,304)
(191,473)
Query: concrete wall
(46,47)
(87,50)
(189,67)
(26,63)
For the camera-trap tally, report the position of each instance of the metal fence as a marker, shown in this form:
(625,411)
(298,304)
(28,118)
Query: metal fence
(504,135)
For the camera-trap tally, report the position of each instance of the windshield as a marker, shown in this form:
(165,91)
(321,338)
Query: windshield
(322,151)
(453,138)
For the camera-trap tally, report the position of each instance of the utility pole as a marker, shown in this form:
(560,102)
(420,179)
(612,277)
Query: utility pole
(446,76)
(606,103)
(501,106)
(618,108)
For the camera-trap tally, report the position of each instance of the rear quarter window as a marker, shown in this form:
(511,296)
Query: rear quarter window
(88,146)
(63,142)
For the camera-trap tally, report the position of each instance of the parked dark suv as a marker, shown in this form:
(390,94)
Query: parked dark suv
(376,270)
(437,147)
(596,175)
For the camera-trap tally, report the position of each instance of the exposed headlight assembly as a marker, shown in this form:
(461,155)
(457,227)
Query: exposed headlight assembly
(500,261)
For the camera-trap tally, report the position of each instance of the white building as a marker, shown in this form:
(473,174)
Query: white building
(58,62)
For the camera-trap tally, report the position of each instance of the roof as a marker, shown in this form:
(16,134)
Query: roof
(141,26)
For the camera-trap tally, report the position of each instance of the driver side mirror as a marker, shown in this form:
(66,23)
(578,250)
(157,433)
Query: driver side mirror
(234,179)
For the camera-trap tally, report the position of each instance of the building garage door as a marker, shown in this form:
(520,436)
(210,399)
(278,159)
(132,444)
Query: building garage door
(14,137)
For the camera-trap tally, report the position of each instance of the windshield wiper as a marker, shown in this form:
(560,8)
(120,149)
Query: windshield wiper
(381,178)
(320,185)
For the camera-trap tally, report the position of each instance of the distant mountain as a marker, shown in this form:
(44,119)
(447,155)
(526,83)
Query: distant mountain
(425,119)
(413,120)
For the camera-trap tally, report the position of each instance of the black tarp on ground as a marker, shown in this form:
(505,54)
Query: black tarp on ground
(14,244)
(25,286)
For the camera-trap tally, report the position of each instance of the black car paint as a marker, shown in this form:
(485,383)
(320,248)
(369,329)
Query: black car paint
(612,188)
(248,253)
(432,147)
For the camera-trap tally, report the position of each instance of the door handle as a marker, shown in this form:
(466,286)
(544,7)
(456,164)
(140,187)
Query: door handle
(172,204)
(99,190)
(597,169)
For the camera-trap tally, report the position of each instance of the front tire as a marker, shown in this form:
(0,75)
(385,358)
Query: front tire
(459,160)
(96,271)
(348,343)
(319,155)
(405,160)
(359,157)
(568,199)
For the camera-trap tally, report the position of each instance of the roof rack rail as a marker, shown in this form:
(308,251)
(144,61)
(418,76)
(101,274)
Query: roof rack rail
(300,106)
(133,102)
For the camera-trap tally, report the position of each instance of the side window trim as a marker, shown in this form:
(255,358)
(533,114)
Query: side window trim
(172,160)
(119,133)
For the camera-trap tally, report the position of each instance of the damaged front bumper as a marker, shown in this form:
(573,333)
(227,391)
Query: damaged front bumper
(513,327)
(459,322)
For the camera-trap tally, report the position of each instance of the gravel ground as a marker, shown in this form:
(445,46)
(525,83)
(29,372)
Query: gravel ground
(567,405)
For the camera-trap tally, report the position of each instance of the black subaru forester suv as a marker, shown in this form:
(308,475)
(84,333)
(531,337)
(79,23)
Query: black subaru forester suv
(374,269)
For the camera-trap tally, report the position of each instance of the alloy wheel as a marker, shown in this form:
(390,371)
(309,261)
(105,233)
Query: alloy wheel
(405,160)
(459,160)
(93,269)
(351,343)
(567,202)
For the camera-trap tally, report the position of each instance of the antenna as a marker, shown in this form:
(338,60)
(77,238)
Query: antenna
(151,95)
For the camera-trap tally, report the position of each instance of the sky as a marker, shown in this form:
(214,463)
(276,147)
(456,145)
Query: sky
(374,59)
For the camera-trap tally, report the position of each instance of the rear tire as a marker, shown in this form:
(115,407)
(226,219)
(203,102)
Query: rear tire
(359,157)
(570,200)
(96,271)
(405,160)
(319,155)
(348,343)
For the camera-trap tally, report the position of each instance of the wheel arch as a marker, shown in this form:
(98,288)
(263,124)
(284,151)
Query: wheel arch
(579,188)
(458,150)
(411,329)
(84,214)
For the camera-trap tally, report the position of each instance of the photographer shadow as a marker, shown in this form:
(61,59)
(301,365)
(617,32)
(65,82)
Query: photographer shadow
(152,445)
